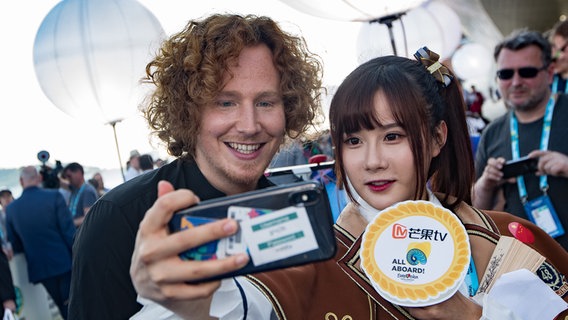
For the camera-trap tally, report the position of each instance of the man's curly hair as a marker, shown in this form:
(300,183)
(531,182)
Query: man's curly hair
(189,68)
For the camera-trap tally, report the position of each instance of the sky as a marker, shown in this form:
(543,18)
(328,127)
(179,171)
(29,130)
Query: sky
(30,122)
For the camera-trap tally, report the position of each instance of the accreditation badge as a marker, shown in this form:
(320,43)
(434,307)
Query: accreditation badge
(542,213)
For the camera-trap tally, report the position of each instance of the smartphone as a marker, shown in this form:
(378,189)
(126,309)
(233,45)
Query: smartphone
(519,167)
(279,227)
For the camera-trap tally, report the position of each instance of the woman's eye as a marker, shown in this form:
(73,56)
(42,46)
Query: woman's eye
(352,141)
(392,136)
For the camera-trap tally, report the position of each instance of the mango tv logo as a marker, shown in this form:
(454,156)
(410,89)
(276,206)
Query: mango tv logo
(399,231)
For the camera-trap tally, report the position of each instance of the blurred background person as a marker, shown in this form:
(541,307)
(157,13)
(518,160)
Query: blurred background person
(146,163)
(559,41)
(83,195)
(7,291)
(290,154)
(39,225)
(101,189)
(133,165)
(6,198)
(159,162)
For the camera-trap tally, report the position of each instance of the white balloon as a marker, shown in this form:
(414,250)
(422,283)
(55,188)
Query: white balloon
(450,25)
(353,10)
(89,56)
(472,60)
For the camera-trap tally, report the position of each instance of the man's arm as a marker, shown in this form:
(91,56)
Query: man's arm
(12,235)
(486,190)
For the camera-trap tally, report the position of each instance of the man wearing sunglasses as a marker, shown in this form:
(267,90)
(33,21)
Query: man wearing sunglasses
(536,125)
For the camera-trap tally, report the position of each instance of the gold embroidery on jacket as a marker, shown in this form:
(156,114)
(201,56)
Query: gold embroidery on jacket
(333,316)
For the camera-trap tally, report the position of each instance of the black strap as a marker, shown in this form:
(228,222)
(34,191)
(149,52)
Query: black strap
(244,297)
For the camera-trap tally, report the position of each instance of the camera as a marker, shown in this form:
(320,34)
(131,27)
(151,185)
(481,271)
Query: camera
(49,175)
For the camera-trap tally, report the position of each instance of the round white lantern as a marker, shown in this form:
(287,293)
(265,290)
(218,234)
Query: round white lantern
(89,56)
(353,10)
(472,60)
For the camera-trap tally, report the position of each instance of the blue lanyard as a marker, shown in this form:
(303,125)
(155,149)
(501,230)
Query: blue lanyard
(544,138)
(555,84)
(471,278)
(75,201)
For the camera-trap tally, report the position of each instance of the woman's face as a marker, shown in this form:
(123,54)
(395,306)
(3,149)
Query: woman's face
(379,162)
(560,51)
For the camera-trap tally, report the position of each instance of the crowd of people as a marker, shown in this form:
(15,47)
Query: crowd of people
(235,95)
(45,236)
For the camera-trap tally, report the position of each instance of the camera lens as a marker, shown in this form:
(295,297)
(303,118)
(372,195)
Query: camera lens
(43,156)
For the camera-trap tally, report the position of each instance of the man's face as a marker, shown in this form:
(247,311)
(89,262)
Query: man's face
(243,128)
(5,200)
(523,93)
(75,178)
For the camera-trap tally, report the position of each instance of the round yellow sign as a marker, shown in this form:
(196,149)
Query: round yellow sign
(415,253)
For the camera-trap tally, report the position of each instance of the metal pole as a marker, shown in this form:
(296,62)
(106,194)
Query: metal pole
(113,124)
(388,20)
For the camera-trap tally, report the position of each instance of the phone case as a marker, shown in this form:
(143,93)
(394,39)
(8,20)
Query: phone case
(280,226)
(518,167)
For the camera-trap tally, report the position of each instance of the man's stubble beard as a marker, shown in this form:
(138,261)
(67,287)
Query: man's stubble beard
(531,104)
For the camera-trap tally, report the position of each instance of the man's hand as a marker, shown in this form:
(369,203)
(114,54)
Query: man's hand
(485,195)
(157,271)
(551,163)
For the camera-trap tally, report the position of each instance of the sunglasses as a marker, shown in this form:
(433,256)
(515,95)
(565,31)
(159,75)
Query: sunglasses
(526,72)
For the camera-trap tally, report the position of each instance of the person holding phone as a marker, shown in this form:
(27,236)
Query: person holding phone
(228,90)
(534,127)
(399,131)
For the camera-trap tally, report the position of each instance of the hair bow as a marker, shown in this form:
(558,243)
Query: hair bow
(430,61)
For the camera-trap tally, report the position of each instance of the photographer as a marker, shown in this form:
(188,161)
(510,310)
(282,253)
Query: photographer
(50,176)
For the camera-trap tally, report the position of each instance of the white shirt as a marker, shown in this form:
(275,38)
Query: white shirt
(131,173)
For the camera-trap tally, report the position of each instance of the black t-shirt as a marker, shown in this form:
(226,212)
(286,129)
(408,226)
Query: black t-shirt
(560,83)
(101,287)
(496,142)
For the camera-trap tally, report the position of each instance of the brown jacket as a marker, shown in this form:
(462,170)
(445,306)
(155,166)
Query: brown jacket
(337,289)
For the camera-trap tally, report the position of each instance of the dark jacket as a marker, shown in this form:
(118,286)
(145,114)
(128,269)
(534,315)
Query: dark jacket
(39,224)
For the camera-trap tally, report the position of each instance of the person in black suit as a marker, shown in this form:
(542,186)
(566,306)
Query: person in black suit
(39,224)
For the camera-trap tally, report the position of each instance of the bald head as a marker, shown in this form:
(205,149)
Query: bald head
(29,177)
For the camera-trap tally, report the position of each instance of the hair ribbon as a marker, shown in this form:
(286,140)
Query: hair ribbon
(430,59)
